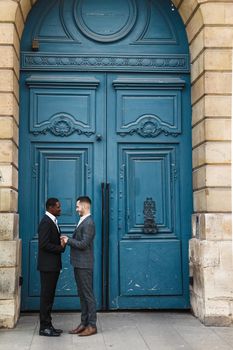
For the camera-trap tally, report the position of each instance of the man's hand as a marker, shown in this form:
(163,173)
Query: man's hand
(64,240)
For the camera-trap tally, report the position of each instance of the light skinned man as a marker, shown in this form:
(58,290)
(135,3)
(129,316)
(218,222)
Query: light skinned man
(82,260)
(49,264)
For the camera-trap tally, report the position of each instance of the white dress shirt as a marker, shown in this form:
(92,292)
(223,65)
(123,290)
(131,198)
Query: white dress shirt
(53,218)
(83,218)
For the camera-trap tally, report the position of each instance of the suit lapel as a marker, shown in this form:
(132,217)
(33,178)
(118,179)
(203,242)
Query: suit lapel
(78,228)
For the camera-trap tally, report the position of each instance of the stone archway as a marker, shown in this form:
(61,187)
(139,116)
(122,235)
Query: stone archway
(210,38)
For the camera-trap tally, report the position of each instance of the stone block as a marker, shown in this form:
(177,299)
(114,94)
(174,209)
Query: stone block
(218,175)
(212,176)
(8,282)
(8,152)
(197,305)
(217,106)
(228,18)
(218,82)
(9,253)
(7,307)
(217,13)
(19,22)
(219,226)
(199,156)
(218,37)
(8,176)
(199,178)
(218,152)
(214,106)
(204,254)
(194,25)
(211,129)
(8,314)
(8,10)
(212,153)
(218,129)
(8,129)
(198,111)
(187,8)
(198,89)
(209,254)
(218,60)
(213,226)
(197,46)
(9,36)
(9,105)
(195,228)
(197,67)
(6,33)
(218,284)
(226,255)
(194,250)
(8,200)
(212,200)
(9,82)
(198,133)
(9,226)
(217,320)
(9,59)
(198,283)
(25,7)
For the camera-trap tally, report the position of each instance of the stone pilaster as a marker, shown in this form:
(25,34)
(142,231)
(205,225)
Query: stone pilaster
(210,34)
(12,17)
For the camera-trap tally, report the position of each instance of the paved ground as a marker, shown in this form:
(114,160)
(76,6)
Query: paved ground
(121,331)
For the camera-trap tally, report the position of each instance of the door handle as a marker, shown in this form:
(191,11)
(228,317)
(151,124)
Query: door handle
(105,243)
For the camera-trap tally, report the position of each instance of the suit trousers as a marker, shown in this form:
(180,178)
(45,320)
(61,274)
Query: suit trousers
(84,281)
(48,283)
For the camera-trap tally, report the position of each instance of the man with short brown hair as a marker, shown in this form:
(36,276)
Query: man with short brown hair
(82,259)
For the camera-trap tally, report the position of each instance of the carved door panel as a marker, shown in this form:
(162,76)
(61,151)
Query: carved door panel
(146,141)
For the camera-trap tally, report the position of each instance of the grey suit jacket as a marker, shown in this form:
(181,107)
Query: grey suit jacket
(81,245)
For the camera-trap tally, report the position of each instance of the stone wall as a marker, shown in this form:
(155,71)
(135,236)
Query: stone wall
(11,26)
(209,26)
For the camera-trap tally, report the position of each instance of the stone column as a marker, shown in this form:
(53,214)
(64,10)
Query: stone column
(210,34)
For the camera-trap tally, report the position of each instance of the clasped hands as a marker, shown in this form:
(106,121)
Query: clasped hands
(64,240)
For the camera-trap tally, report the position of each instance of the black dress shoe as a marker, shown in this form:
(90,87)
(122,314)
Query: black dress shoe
(48,332)
(57,330)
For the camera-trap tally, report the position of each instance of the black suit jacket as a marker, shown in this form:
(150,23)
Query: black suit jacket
(50,249)
(81,245)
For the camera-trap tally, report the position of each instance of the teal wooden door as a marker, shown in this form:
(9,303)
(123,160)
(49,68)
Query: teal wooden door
(105,111)
(147,158)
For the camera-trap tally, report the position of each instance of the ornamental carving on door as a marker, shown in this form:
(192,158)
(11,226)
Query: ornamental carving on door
(62,125)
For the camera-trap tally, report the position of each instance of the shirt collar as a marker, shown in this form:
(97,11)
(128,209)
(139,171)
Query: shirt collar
(83,218)
(51,216)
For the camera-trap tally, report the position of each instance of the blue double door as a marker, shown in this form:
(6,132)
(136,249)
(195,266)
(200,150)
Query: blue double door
(120,139)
